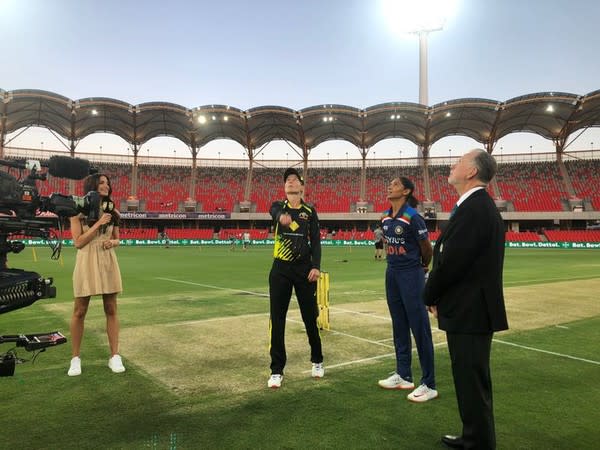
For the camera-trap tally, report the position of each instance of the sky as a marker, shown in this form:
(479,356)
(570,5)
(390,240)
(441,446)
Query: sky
(295,54)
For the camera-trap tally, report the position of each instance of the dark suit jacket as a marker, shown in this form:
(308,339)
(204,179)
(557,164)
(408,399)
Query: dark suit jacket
(465,282)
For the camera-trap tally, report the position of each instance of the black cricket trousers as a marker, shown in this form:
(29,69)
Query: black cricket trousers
(283,277)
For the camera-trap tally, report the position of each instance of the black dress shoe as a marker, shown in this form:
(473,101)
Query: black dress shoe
(453,441)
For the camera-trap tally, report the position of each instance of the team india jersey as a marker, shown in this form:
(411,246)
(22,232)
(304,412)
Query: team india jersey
(402,235)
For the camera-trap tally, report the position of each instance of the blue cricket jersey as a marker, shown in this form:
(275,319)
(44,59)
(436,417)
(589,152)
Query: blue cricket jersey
(402,234)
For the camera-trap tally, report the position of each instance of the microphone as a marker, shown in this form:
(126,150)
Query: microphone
(67,167)
(23,164)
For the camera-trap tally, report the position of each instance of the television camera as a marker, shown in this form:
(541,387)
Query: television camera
(24,212)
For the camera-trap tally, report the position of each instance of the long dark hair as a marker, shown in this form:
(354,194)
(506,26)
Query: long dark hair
(410,199)
(91,183)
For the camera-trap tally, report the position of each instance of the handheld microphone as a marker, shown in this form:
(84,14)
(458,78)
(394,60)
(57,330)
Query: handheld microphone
(67,167)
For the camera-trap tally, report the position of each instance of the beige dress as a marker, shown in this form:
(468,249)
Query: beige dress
(96,269)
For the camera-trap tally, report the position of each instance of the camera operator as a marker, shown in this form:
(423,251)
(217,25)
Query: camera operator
(96,271)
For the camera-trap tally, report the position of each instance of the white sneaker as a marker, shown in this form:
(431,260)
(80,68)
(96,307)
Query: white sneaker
(318,371)
(422,394)
(116,364)
(395,381)
(275,381)
(75,368)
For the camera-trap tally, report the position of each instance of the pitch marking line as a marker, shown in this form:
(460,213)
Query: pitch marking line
(259,294)
(214,319)
(370,341)
(333,308)
(519,283)
(375,316)
(373,358)
(562,355)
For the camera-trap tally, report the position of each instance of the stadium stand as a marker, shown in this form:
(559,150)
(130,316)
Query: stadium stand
(189,233)
(355,235)
(238,233)
(378,179)
(219,188)
(333,189)
(441,191)
(585,178)
(138,233)
(529,186)
(156,185)
(532,186)
(523,236)
(572,235)
(267,186)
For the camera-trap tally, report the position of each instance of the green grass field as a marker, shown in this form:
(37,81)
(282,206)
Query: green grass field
(194,339)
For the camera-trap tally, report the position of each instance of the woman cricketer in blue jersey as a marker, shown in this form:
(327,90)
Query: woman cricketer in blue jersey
(409,253)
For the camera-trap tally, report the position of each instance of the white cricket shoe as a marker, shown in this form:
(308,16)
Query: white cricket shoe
(75,368)
(275,381)
(395,381)
(318,371)
(422,394)
(116,364)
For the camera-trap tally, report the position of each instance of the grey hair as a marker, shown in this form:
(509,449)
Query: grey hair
(485,164)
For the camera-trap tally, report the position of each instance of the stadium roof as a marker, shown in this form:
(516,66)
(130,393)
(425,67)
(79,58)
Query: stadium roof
(552,115)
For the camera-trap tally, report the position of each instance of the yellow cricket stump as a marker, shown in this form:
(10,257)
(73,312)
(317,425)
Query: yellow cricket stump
(323,301)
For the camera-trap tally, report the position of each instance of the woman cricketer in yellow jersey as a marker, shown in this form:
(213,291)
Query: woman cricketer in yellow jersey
(296,264)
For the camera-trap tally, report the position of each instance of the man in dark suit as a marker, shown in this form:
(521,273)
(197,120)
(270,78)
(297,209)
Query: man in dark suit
(464,292)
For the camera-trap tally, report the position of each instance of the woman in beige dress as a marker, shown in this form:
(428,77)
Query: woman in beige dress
(96,271)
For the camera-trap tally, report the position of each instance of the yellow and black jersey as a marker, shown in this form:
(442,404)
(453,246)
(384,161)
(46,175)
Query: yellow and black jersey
(301,240)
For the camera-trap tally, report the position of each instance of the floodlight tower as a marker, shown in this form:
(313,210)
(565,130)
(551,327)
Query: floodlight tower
(423,72)
(420,17)
(423,69)
(424,99)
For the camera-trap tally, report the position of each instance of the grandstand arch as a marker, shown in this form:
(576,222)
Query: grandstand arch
(394,148)
(526,146)
(40,138)
(174,150)
(553,115)
(278,152)
(449,148)
(271,123)
(221,150)
(587,139)
(104,145)
(334,153)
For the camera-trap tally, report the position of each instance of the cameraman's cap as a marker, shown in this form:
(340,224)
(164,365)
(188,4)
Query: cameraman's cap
(292,171)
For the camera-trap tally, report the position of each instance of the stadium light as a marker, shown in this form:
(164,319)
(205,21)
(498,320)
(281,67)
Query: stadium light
(419,17)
